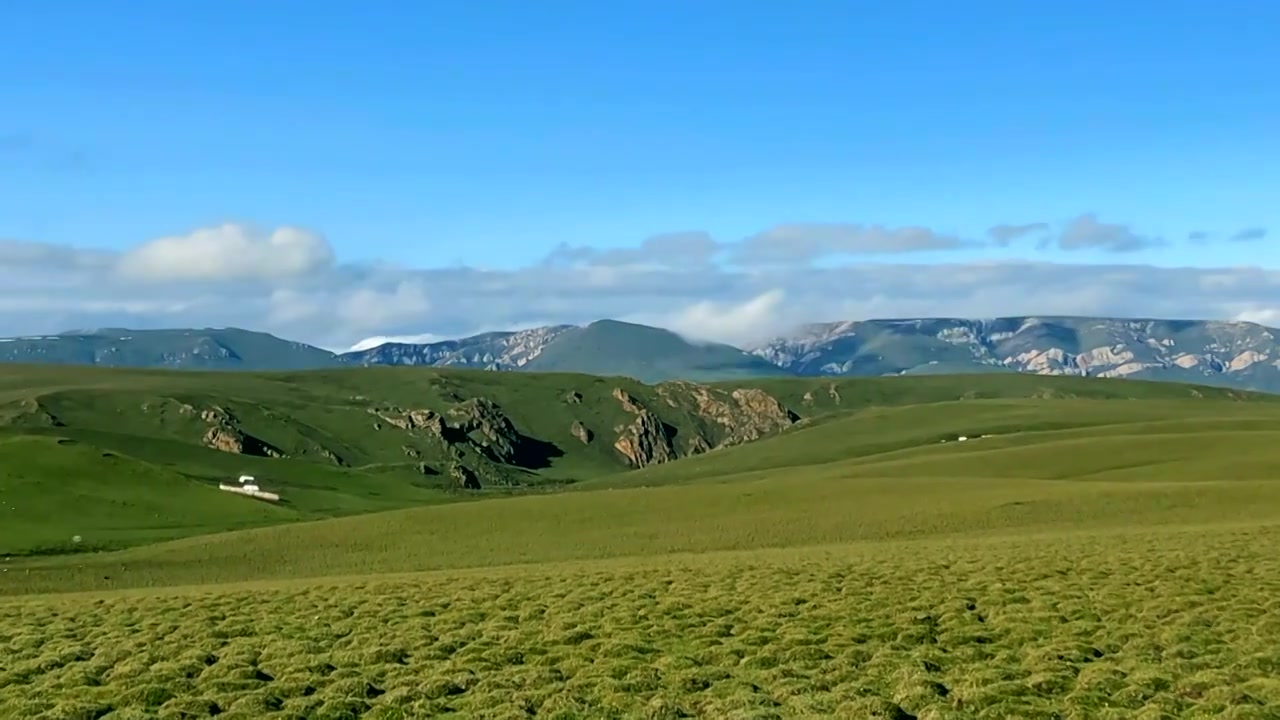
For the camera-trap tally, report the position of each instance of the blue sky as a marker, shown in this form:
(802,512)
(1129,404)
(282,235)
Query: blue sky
(485,134)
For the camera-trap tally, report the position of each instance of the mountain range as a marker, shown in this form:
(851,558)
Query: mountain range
(1232,354)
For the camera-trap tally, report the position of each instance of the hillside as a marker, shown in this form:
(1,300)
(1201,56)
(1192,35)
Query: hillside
(900,466)
(349,441)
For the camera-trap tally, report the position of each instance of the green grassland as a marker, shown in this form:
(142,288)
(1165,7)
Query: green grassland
(1096,549)
(85,451)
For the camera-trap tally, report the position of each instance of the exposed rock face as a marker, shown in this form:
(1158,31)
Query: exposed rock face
(230,439)
(647,440)
(745,414)
(573,398)
(225,434)
(411,420)
(629,403)
(698,445)
(332,457)
(464,477)
(481,420)
(581,432)
(31,412)
(475,426)
(758,414)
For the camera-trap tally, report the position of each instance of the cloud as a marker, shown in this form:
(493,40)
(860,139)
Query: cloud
(1086,232)
(1198,236)
(736,323)
(1003,235)
(1250,234)
(378,340)
(798,243)
(309,296)
(679,249)
(371,309)
(228,252)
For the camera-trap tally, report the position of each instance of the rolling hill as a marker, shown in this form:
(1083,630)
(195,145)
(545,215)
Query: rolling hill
(351,441)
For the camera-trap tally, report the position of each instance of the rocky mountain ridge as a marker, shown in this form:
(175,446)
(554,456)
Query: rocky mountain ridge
(1238,354)
(488,351)
(1233,354)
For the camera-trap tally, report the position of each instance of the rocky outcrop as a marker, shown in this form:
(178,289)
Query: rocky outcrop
(647,440)
(228,438)
(488,429)
(30,413)
(629,403)
(464,477)
(744,415)
(411,420)
(697,445)
(573,397)
(581,432)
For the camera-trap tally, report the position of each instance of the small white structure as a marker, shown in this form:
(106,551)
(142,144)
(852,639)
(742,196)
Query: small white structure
(249,486)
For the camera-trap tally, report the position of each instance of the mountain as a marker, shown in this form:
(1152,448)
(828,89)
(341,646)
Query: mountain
(194,349)
(1234,354)
(487,351)
(649,354)
(606,347)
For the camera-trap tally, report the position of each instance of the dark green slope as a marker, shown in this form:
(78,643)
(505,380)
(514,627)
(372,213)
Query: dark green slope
(187,349)
(648,354)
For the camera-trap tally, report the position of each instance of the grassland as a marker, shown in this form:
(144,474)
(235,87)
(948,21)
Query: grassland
(86,451)
(1097,550)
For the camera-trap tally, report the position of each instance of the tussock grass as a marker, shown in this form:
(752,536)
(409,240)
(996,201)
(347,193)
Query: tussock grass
(1089,558)
(1174,622)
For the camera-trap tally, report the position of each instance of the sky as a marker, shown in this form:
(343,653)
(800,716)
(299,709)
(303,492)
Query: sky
(335,172)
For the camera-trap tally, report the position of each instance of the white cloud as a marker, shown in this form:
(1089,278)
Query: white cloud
(228,252)
(378,340)
(46,288)
(371,309)
(756,318)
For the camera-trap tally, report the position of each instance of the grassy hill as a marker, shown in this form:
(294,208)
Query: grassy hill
(122,457)
(1094,548)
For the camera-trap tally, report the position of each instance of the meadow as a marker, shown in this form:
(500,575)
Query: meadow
(1082,556)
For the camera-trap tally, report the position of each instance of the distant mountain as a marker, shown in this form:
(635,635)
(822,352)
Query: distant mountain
(488,351)
(649,354)
(1234,354)
(1231,354)
(607,347)
(192,349)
